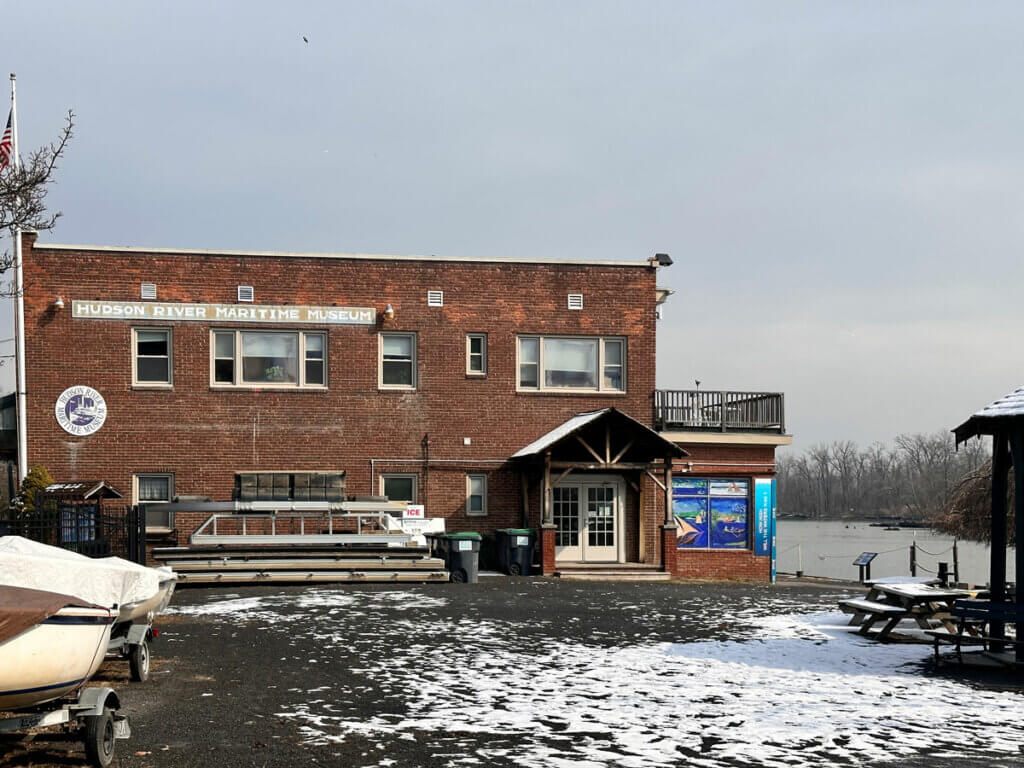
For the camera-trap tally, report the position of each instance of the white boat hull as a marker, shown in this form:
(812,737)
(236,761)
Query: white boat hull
(147,610)
(53,658)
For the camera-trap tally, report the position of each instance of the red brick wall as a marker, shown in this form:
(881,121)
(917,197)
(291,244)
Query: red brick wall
(722,564)
(205,436)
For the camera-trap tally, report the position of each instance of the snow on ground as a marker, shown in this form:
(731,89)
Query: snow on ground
(795,689)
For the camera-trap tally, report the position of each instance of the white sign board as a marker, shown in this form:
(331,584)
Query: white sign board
(236,313)
(464,545)
(414,512)
(80,410)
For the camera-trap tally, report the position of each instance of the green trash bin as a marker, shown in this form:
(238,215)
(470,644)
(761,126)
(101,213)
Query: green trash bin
(515,550)
(461,552)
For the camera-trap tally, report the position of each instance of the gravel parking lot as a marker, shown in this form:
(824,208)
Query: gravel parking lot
(537,672)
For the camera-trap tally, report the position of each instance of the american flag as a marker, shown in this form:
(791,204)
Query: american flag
(5,145)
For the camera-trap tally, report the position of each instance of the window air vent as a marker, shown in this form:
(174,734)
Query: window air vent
(246,293)
(149,290)
(435,298)
(575,301)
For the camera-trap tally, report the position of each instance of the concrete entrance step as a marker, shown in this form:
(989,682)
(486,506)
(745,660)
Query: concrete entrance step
(611,572)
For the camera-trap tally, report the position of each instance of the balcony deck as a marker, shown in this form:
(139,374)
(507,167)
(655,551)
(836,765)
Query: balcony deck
(694,410)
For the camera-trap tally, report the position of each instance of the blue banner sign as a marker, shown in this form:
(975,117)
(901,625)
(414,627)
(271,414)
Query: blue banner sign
(763,514)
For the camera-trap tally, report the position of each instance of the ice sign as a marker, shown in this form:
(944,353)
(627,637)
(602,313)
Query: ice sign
(414,512)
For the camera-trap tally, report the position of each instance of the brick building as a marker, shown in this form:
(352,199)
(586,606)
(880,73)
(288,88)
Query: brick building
(302,377)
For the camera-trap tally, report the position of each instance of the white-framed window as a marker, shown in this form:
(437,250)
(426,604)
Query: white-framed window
(155,489)
(148,291)
(476,354)
(286,359)
(246,293)
(397,361)
(573,363)
(476,494)
(152,357)
(399,487)
(435,298)
(575,301)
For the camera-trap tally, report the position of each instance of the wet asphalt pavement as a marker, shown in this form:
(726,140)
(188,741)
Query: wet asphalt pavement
(286,676)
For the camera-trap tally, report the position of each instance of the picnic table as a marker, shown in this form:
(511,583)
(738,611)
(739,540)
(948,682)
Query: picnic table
(926,603)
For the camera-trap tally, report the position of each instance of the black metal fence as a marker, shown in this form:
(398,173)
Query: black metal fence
(86,527)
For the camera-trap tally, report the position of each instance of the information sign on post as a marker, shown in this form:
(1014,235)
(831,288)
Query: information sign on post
(863,562)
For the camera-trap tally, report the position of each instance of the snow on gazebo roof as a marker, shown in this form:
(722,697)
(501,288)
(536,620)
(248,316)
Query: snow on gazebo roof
(994,417)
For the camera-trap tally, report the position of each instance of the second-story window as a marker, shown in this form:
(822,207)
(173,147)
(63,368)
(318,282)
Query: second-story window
(574,363)
(152,366)
(268,359)
(397,361)
(476,354)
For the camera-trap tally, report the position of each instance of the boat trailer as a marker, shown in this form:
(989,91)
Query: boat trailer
(95,710)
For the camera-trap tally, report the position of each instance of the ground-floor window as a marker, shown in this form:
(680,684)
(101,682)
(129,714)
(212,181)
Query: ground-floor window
(399,487)
(290,486)
(711,513)
(154,490)
(476,494)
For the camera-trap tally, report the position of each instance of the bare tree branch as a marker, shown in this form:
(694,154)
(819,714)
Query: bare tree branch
(23,193)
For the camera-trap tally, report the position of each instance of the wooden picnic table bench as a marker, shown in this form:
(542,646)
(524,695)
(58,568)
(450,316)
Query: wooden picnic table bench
(974,625)
(896,601)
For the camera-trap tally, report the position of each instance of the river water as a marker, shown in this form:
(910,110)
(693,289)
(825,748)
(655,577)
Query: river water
(828,548)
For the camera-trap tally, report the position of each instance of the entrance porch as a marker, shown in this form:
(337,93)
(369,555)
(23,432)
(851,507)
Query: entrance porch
(597,473)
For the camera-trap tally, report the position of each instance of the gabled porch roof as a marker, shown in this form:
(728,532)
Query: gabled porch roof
(608,437)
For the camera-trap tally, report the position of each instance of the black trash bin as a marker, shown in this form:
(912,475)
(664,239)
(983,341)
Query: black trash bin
(515,550)
(461,553)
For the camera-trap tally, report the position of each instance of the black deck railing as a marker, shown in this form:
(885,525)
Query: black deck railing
(717,411)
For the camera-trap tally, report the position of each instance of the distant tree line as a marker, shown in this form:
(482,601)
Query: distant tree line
(911,479)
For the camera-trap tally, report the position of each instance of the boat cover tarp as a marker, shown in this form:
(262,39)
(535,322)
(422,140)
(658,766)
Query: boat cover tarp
(105,581)
(22,608)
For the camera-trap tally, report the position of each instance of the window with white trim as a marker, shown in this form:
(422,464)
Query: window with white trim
(397,362)
(155,489)
(152,364)
(476,494)
(286,359)
(476,354)
(399,487)
(573,363)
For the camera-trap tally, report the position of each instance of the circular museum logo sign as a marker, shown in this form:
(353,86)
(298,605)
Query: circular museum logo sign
(81,410)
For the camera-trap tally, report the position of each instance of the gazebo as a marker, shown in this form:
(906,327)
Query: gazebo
(1004,421)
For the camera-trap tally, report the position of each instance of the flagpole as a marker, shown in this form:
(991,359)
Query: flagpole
(19,316)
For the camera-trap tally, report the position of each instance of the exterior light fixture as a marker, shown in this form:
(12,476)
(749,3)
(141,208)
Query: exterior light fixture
(59,303)
(389,312)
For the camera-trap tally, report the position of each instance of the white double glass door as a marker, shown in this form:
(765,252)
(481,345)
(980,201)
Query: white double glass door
(588,521)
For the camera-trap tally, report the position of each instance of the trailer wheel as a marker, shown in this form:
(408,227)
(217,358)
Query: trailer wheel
(515,570)
(99,738)
(138,661)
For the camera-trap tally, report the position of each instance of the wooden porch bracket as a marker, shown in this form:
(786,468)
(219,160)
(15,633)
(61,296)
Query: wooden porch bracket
(586,445)
(657,482)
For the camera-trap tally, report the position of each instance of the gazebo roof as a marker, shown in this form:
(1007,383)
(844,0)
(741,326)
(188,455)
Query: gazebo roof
(999,416)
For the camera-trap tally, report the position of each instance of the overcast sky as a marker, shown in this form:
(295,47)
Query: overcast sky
(839,184)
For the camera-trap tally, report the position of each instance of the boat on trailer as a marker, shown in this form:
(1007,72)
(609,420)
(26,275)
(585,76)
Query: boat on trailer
(50,645)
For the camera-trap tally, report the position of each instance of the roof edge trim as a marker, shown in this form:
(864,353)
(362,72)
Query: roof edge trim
(338,256)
